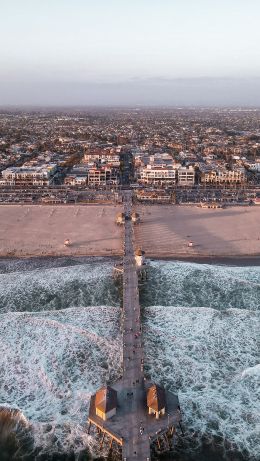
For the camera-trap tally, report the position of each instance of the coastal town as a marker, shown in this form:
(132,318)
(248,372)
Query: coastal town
(63,175)
(209,157)
(130,230)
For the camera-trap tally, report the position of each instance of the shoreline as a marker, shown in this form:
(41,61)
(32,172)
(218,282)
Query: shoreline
(232,260)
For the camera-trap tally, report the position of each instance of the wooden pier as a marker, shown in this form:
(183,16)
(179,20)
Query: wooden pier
(132,426)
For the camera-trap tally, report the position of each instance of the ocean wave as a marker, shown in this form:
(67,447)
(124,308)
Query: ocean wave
(58,287)
(52,362)
(201,337)
(251,371)
(173,283)
(202,354)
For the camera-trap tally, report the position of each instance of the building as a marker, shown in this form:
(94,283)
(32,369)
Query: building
(101,155)
(106,402)
(253,166)
(29,176)
(120,218)
(207,174)
(186,176)
(78,175)
(75,180)
(100,176)
(157,175)
(234,176)
(220,175)
(135,218)
(139,257)
(156,400)
(159,196)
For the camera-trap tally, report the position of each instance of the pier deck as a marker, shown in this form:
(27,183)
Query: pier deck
(136,446)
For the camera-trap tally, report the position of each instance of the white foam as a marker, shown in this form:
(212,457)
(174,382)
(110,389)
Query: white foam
(251,371)
(201,353)
(189,284)
(52,362)
(57,288)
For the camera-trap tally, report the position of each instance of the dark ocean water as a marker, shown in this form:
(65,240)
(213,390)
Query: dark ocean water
(60,340)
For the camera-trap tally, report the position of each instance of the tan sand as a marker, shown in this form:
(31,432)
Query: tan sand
(41,230)
(166,230)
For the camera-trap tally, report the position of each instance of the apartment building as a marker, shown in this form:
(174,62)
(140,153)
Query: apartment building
(235,176)
(75,180)
(220,175)
(29,176)
(110,155)
(99,176)
(253,166)
(186,176)
(157,175)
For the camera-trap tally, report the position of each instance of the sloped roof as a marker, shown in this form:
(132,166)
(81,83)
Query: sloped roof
(139,252)
(106,399)
(156,398)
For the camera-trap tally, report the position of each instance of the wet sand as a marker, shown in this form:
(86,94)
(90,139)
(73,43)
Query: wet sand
(230,235)
(41,230)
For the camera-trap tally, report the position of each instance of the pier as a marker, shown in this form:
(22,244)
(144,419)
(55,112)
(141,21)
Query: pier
(122,412)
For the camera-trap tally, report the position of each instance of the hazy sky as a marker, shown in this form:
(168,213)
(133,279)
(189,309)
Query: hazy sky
(123,51)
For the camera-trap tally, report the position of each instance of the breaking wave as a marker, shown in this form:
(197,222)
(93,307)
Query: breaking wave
(192,285)
(205,355)
(52,362)
(38,287)
(60,340)
(201,329)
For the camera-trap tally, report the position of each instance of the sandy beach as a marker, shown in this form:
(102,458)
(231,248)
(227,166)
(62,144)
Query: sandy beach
(165,231)
(42,230)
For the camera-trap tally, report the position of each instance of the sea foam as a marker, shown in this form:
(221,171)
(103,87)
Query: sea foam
(58,287)
(201,337)
(211,358)
(52,362)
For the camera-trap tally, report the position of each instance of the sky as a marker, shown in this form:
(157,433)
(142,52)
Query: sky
(124,52)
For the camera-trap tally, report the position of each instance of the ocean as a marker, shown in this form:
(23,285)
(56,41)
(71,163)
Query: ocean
(60,340)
